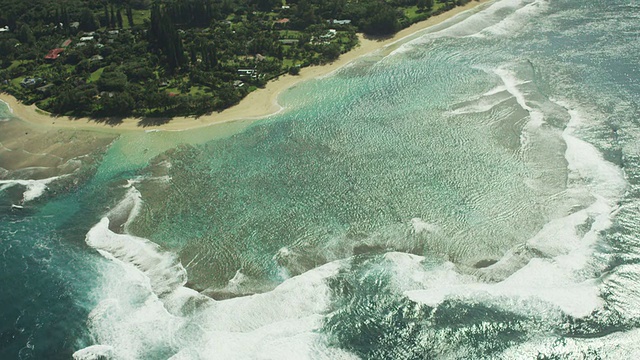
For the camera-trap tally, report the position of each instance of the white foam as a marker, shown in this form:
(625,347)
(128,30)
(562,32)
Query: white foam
(420,226)
(128,208)
(146,308)
(162,268)
(138,314)
(537,288)
(7,105)
(619,345)
(540,286)
(95,352)
(34,188)
(489,20)
(603,178)
(536,117)
(622,286)
(562,277)
(481,105)
(280,324)
(511,83)
(517,20)
(463,24)
(496,90)
(139,179)
(290,339)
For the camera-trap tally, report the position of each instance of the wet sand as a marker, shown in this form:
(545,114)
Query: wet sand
(29,151)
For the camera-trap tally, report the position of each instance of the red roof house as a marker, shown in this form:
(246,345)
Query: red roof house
(54,54)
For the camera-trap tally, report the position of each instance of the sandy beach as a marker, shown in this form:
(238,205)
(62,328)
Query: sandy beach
(258,104)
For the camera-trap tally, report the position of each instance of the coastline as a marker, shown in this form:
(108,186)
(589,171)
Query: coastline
(256,105)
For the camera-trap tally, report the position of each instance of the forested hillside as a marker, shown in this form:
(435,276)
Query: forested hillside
(106,58)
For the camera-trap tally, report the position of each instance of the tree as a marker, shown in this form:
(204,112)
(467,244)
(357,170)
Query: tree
(119,18)
(26,35)
(130,15)
(266,5)
(384,22)
(113,21)
(117,104)
(294,70)
(304,15)
(165,37)
(330,52)
(88,21)
(106,18)
(112,81)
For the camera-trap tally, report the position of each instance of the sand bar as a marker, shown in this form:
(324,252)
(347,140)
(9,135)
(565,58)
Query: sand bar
(256,105)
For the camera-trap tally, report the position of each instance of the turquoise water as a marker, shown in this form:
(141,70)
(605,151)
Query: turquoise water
(470,193)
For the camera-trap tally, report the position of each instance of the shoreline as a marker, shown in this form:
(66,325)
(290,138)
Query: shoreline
(257,105)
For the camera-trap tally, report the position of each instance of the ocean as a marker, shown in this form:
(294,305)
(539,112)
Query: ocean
(470,192)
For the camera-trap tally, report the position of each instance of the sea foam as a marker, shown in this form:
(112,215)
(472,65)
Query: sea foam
(554,266)
(490,20)
(34,188)
(146,309)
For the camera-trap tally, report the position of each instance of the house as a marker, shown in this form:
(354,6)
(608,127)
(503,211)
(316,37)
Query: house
(96,58)
(81,44)
(238,83)
(341,22)
(259,57)
(282,21)
(45,89)
(289,41)
(65,43)
(330,34)
(86,38)
(4,29)
(286,7)
(74,25)
(248,72)
(54,54)
(28,82)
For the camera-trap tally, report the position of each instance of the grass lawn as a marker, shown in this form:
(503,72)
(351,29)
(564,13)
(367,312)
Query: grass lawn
(197,90)
(415,15)
(43,104)
(70,68)
(287,63)
(138,17)
(16,63)
(289,34)
(96,75)
(16,82)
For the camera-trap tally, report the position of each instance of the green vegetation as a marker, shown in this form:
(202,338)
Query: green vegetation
(112,58)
